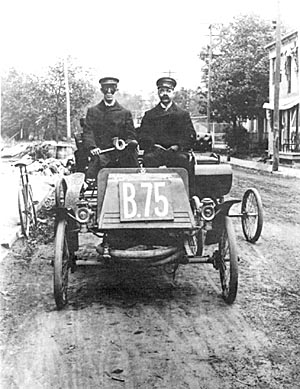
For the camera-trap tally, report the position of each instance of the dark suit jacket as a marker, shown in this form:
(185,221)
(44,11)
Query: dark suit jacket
(167,128)
(103,123)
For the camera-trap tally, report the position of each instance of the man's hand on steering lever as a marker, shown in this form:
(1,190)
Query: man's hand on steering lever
(95,151)
(174,148)
(132,144)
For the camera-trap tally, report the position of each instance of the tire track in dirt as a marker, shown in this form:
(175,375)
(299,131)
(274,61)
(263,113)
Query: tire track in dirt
(36,355)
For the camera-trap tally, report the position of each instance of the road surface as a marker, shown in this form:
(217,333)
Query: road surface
(133,329)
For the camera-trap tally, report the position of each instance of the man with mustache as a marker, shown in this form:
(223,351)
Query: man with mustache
(167,133)
(105,122)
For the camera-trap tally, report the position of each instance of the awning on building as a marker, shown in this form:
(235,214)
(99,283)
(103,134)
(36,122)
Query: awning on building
(284,103)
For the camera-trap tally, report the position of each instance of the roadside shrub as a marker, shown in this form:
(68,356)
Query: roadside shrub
(237,139)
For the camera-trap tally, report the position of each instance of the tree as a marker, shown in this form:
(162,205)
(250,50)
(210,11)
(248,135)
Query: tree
(81,90)
(19,103)
(37,105)
(240,73)
(193,101)
(134,103)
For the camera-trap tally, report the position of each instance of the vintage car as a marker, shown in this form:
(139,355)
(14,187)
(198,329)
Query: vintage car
(145,217)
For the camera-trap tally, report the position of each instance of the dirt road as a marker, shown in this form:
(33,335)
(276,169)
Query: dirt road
(126,328)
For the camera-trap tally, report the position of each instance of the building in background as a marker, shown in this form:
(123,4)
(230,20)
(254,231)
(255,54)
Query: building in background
(289,99)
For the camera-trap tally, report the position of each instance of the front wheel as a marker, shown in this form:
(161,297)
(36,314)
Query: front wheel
(252,215)
(196,241)
(61,265)
(228,262)
(60,193)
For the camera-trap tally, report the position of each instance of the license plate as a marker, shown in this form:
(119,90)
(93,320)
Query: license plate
(145,200)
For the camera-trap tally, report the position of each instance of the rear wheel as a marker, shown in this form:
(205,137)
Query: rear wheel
(252,215)
(27,210)
(195,243)
(61,265)
(228,262)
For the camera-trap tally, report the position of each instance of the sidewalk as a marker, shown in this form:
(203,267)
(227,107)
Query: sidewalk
(266,167)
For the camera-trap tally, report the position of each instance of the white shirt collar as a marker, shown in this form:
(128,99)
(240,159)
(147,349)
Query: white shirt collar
(111,104)
(166,107)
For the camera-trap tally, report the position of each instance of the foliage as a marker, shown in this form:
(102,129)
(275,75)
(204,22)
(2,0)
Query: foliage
(240,73)
(193,101)
(237,138)
(131,102)
(19,102)
(81,93)
(134,103)
(37,105)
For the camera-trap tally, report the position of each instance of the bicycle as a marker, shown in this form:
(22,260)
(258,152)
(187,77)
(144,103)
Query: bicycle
(26,205)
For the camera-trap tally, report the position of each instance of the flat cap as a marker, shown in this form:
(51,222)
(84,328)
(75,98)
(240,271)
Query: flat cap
(167,82)
(108,80)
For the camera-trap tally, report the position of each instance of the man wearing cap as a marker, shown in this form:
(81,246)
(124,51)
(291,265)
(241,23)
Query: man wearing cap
(167,126)
(104,122)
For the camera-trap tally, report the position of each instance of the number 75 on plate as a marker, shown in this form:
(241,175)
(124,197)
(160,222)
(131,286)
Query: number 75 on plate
(145,200)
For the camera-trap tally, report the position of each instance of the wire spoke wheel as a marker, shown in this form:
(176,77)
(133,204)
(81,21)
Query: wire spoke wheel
(27,210)
(33,217)
(252,215)
(228,262)
(195,243)
(61,265)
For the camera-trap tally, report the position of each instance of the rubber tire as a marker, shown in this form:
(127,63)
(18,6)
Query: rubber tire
(33,210)
(228,255)
(196,241)
(61,265)
(252,235)
(27,213)
(60,193)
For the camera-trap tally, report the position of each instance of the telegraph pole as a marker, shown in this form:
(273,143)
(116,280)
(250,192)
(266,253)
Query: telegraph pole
(210,55)
(209,78)
(276,115)
(169,73)
(67,99)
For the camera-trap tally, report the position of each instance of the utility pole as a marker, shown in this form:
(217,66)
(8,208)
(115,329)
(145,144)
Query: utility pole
(67,99)
(210,55)
(276,115)
(169,73)
(209,78)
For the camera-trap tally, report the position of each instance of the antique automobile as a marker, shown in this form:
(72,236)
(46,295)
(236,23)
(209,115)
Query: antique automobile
(145,217)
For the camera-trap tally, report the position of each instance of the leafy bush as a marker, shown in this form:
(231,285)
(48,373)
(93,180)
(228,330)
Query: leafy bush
(237,138)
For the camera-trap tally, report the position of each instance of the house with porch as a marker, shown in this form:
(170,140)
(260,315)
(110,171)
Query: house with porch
(289,98)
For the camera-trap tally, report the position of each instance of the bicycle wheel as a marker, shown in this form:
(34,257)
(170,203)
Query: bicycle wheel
(32,207)
(27,210)
(228,262)
(61,265)
(252,215)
